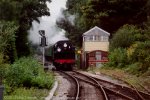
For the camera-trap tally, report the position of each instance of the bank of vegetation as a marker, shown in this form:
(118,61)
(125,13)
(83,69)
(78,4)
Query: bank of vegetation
(21,75)
(25,79)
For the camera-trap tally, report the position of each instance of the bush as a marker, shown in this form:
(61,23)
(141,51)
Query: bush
(118,58)
(141,55)
(125,36)
(7,39)
(134,68)
(28,72)
(22,71)
(43,81)
(3,67)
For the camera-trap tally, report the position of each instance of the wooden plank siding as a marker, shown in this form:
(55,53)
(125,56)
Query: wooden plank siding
(93,59)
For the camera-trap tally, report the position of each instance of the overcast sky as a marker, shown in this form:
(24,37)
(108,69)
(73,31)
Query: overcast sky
(52,32)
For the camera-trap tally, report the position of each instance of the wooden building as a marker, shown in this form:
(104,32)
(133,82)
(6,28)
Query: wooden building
(95,41)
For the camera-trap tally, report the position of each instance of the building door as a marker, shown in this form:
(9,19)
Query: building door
(98,56)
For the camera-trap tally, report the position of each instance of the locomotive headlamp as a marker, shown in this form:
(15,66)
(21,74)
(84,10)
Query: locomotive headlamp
(58,49)
(65,45)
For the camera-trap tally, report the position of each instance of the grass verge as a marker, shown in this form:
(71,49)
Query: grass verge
(27,94)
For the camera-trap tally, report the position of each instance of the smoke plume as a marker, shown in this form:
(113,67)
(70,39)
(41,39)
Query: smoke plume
(48,23)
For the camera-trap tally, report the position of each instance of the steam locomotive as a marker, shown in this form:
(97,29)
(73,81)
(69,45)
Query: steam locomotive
(62,55)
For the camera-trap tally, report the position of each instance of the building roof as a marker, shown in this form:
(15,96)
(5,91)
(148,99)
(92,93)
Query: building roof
(96,31)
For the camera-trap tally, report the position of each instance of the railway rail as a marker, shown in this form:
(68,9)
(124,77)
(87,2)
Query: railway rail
(148,91)
(140,93)
(122,91)
(76,96)
(100,89)
(108,93)
(85,89)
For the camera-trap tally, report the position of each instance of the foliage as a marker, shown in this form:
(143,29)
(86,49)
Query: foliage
(3,67)
(125,36)
(110,15)
(73,29)
(118,58)
(73,6)
(134,68)
(43,81)
(141,55)
(137,43)
(28,10)
(31,10)
(127,77)
(7,39)
(25,71)
(23,13)
(27,94)
(147,73)
(147,8)
(147,30)
(65,24)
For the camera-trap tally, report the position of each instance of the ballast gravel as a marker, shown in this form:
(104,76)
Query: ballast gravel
(64,86)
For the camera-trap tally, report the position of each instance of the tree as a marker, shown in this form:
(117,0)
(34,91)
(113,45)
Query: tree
(141,55)
(31,10)
(125,37)
(111,14)
(7,40)
(73,31)
(148,7)
(23,12)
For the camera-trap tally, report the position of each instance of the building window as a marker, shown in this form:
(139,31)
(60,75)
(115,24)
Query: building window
(88,38)
(95,38)
(105,38)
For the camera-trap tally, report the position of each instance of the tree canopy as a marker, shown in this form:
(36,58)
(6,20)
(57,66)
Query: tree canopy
(22,13)
(109,15)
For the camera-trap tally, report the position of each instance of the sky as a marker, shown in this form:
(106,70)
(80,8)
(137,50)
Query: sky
(48,23)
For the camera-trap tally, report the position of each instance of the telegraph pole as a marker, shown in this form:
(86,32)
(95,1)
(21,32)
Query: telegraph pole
(43,43)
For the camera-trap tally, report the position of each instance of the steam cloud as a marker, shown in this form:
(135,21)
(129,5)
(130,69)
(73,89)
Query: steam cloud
(48,23)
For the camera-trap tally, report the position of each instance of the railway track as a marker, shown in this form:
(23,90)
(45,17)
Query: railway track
(75,95)
(148,91)
(142,94)
(86,90)
(92,88)
(122,91)
(108,93)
